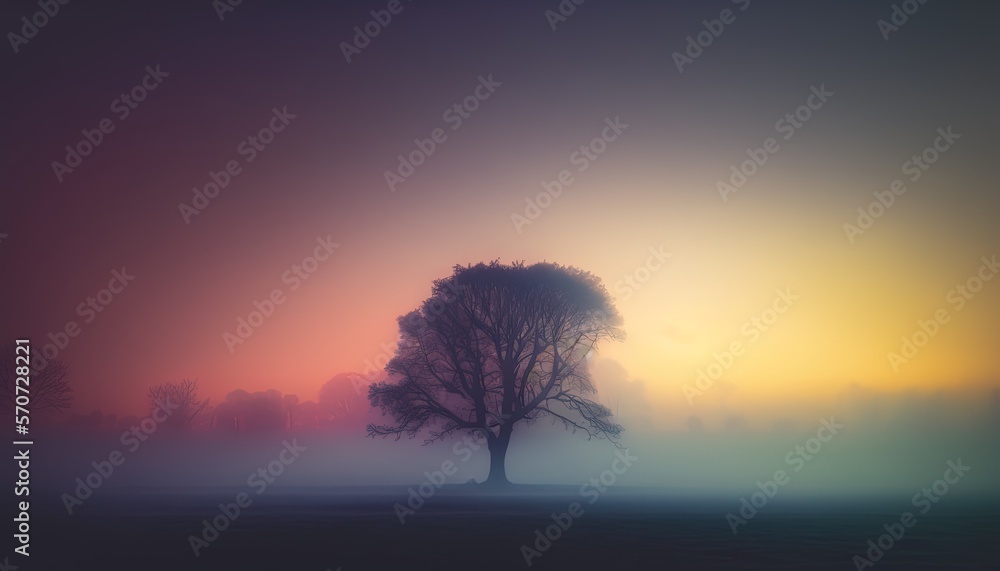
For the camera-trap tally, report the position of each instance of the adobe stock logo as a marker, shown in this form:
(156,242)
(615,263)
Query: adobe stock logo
(31,26)
(752,328)
(259,480)
(434,481)
(222,7)
(363,35)
(958,297)
(697,44)
(633,281)
(796,458)
(562,522)
(924,499)
(581,158)
(900,15)
(88,310)
(566,8)
(914,168)
(786,126)
(249,147)
(104,469)
(122,107)
(294,276)
(455,116)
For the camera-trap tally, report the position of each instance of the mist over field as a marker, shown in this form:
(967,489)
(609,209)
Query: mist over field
(500,285)
(887,442)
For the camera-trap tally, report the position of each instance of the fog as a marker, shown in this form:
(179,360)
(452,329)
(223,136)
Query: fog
(865,442)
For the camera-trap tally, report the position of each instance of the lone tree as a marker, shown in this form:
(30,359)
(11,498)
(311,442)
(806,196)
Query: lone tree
(181,402)
(494,346)
(48,387)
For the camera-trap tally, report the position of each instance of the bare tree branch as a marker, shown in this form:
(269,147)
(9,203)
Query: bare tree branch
(182,398)
(49,388)
(509,346)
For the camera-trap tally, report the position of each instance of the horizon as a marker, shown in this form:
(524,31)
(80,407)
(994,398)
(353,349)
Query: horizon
(291,270)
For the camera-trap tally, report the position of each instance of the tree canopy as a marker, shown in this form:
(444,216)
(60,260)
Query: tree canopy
(497,345)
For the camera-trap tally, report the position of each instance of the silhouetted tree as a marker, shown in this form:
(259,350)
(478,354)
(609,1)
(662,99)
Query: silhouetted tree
(182,397)
(497,345)
(248,413)
(340,397)
(49,388)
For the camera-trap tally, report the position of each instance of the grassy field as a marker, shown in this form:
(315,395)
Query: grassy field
(459,528)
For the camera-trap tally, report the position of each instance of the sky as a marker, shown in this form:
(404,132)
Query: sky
(644,131)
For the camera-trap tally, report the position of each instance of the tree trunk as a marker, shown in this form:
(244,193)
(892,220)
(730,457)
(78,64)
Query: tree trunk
(498,453)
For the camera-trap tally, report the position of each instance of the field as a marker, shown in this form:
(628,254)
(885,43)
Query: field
(357,529)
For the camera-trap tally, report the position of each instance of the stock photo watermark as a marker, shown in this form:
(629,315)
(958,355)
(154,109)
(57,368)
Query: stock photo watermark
(925,500)
(581,158)
(32,24)
(563,11)
(752,329)
(363,35)
(224,7)
(698,43)
(434,481)
(633,282)
(454,116)
(592,491)
(957,297)
(294,277)
(122,107)
(259,480)
(899,16)
(786,126)
(88,310)
(248,148)
(132,439)
(915,167)
(797,458)
(373,366)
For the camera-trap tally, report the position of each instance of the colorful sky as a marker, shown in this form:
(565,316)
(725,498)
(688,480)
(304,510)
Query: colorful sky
(653,187)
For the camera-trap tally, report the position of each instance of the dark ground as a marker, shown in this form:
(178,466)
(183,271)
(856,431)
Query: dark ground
(356,529)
